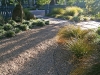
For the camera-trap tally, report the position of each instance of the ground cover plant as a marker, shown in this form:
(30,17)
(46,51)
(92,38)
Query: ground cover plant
(11,28)
(84,45)
(72,13)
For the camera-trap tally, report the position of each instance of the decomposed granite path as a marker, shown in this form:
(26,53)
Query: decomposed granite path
(33,52)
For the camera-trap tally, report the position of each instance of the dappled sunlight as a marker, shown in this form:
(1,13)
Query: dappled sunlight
(33,46)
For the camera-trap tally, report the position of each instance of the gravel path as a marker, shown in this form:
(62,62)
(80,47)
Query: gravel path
(33,52)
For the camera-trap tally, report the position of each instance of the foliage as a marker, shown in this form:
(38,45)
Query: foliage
(10,33)
(73,11)
(28,15)
(8,27)
(79,41)
(2,33)
(43,2)
(98,30)
(18,13)
(79,47)
(12,22)
(40,23)
(57,11)
(17,30)
(47,22)
(24,27)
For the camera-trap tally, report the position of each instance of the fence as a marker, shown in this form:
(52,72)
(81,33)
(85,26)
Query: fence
(6,11)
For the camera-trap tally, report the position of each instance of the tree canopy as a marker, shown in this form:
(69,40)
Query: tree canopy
(43,2)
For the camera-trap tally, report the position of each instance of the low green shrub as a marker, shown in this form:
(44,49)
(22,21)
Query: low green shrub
(24,27)
(58,11)
(12,22)
(98,30)
(10,33)
(86,18)
(73,11)
(8,27)
(40,23)
(76,19)
(27,22)
(97,16)
(28,15)
(2,33)
(68,17)
(47,22)
(17,30)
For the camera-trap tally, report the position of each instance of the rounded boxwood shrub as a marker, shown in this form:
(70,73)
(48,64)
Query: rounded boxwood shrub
(17,30)
(47,22)
(8,27)
(40,23)
(26,22)
(24,27)
(12,22)
(2,33)
(10,33)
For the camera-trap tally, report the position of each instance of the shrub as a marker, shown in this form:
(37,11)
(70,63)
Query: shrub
(86,18)
(97,16)
(76,19)
(90,37)
(24,27)
(73,11)
(47,22)
(12,22)
(98,30)
(68,17)
(8,27)
(2,33)
(1,27)
(17,30)
(79,41)
(40,23)
(58,11)
(69,31)
(10,33)
(27,22)
(28,15)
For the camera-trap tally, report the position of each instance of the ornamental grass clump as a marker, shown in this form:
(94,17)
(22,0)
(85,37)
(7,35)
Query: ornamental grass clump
(58,11)
(73,11)
(80,42)
(79,47)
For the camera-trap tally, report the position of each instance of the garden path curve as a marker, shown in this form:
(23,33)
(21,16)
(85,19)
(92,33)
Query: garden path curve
(35,52)
(32,52)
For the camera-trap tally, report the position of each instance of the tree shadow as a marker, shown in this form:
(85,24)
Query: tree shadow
(25,41)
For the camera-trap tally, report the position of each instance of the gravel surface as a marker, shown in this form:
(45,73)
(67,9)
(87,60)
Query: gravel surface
(33,52)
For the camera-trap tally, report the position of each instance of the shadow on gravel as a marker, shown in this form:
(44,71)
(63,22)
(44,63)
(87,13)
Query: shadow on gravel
(53,61)
(22,42)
